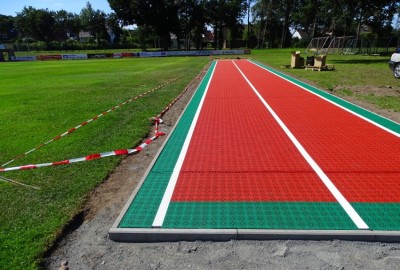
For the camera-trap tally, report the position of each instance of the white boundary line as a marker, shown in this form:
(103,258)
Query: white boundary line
(140,184)
(325,179)
(162,210)
(338,105)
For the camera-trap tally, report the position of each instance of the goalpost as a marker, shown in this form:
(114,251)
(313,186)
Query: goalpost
(329,44)
(316,44)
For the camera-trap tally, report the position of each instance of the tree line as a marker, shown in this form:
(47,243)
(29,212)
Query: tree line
(42,25)
(256,23)
(318,18)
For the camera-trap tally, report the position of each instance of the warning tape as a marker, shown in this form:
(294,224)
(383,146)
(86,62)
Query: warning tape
(86,158)
(179,97)
(136,150)
(91,156)
(90,120)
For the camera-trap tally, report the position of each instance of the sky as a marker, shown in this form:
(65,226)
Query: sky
(12,7)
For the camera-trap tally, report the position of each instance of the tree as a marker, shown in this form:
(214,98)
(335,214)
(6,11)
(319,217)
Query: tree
(67,24)
(309,17)
(378,15)
(94,21)
(199,20)
(225,15)
(191,22)
(235,11)
(287,8)
(185,18)
(114,25)
(7,26)
(247,32)
(161,15)
(74,24)
(259,13)
(266,17)
(345,17)
(321,18)
(34,23)
(185,22)
(215,18)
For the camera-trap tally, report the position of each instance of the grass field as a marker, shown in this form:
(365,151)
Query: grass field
(39,100)
(350,69)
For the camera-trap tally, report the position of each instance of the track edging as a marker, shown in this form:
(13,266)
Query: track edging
(175,235)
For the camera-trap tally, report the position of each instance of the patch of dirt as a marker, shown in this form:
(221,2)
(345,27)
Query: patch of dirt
(383,91)
(365,90)
(88,247)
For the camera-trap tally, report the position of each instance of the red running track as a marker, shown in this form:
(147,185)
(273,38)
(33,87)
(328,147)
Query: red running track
(238,152)
(361,159)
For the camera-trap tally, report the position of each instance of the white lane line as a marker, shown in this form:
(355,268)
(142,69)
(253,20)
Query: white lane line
(355,217)
(338,105)
(162,209)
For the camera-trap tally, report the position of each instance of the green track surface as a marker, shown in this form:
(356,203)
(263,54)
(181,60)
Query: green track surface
(257,215)
(380,216)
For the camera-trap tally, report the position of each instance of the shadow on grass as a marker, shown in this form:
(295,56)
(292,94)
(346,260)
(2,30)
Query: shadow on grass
(361,61)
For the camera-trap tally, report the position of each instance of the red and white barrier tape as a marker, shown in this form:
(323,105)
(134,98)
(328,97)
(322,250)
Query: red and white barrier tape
(178,97)
(92,156)
(90,120)
(157,120)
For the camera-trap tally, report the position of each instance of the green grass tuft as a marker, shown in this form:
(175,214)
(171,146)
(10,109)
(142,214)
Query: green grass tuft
(344,92)
(385,102)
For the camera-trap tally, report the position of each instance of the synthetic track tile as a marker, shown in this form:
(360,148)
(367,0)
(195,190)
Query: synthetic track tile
(380,216)
(369,187)
(251,186)
(257,215)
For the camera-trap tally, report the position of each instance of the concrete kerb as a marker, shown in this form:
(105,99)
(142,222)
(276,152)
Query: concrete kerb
(175,235)
(171,235)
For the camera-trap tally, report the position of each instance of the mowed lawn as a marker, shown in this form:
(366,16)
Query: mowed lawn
(40,100)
